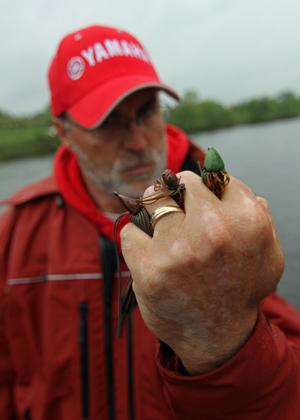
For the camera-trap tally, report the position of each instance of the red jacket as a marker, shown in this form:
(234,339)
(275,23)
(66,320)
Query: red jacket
(59,356)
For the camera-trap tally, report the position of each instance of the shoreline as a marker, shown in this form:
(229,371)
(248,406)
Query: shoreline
(17,143)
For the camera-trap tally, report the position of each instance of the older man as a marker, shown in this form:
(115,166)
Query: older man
(201,344)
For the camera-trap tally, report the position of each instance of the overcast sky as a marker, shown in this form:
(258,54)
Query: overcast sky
(227,50)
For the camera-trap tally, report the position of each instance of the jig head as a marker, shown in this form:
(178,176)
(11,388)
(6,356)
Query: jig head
(166,186)
(214,174)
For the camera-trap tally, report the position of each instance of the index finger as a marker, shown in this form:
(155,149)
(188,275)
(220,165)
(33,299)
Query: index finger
(198,198)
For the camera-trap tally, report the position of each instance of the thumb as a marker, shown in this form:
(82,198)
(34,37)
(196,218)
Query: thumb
(134,243)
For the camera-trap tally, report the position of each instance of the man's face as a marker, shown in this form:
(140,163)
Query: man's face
(121,155)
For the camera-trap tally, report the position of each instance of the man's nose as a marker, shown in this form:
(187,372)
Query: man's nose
(135,137)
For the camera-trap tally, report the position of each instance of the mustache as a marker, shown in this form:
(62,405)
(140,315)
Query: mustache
(133,159)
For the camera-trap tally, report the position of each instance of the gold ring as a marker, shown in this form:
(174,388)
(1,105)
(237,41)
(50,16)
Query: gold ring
(161,211)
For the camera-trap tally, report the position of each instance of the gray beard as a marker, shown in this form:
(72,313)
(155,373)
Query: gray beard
(110,181)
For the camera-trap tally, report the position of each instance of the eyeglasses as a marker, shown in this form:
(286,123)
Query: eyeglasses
(116,127)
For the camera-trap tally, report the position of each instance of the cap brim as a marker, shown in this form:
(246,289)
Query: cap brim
(93,108)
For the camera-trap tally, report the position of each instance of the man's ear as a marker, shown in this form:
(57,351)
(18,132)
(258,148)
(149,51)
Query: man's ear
(62,132)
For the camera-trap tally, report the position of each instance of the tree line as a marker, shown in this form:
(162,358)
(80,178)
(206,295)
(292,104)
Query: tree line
(29,136)
(193,115)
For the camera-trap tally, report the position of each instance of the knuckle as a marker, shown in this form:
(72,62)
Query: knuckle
(261,222)
(124,232)
(253,231)
(263,203)
(218,233)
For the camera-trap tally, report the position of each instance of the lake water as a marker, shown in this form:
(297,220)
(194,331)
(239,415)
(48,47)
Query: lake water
(266,157)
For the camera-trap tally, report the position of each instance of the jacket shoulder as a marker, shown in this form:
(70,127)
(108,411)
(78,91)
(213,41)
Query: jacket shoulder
(41,188)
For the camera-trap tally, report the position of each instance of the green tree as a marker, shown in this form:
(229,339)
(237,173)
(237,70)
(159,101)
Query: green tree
(256,111)
(289,105)
(190,97)
(213,115)
(194,116)
(185,116)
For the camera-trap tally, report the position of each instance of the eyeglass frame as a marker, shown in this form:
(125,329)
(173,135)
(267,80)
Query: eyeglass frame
(160,106)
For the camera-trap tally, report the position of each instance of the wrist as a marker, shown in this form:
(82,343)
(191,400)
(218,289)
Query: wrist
(205,356)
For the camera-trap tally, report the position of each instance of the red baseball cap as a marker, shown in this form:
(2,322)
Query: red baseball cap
(94,69)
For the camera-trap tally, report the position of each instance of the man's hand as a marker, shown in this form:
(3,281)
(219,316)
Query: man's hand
(200,280)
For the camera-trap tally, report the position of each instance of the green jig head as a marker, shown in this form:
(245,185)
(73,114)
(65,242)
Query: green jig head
(213,161)
(214,174)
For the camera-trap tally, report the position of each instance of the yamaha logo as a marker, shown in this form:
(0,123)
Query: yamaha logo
(75,68)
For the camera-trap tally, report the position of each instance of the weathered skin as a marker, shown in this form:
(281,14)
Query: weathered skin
(200,280)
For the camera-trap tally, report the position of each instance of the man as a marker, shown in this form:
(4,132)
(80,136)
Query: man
(208,347)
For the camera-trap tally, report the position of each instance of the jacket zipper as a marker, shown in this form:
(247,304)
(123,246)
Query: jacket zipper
(83,341)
